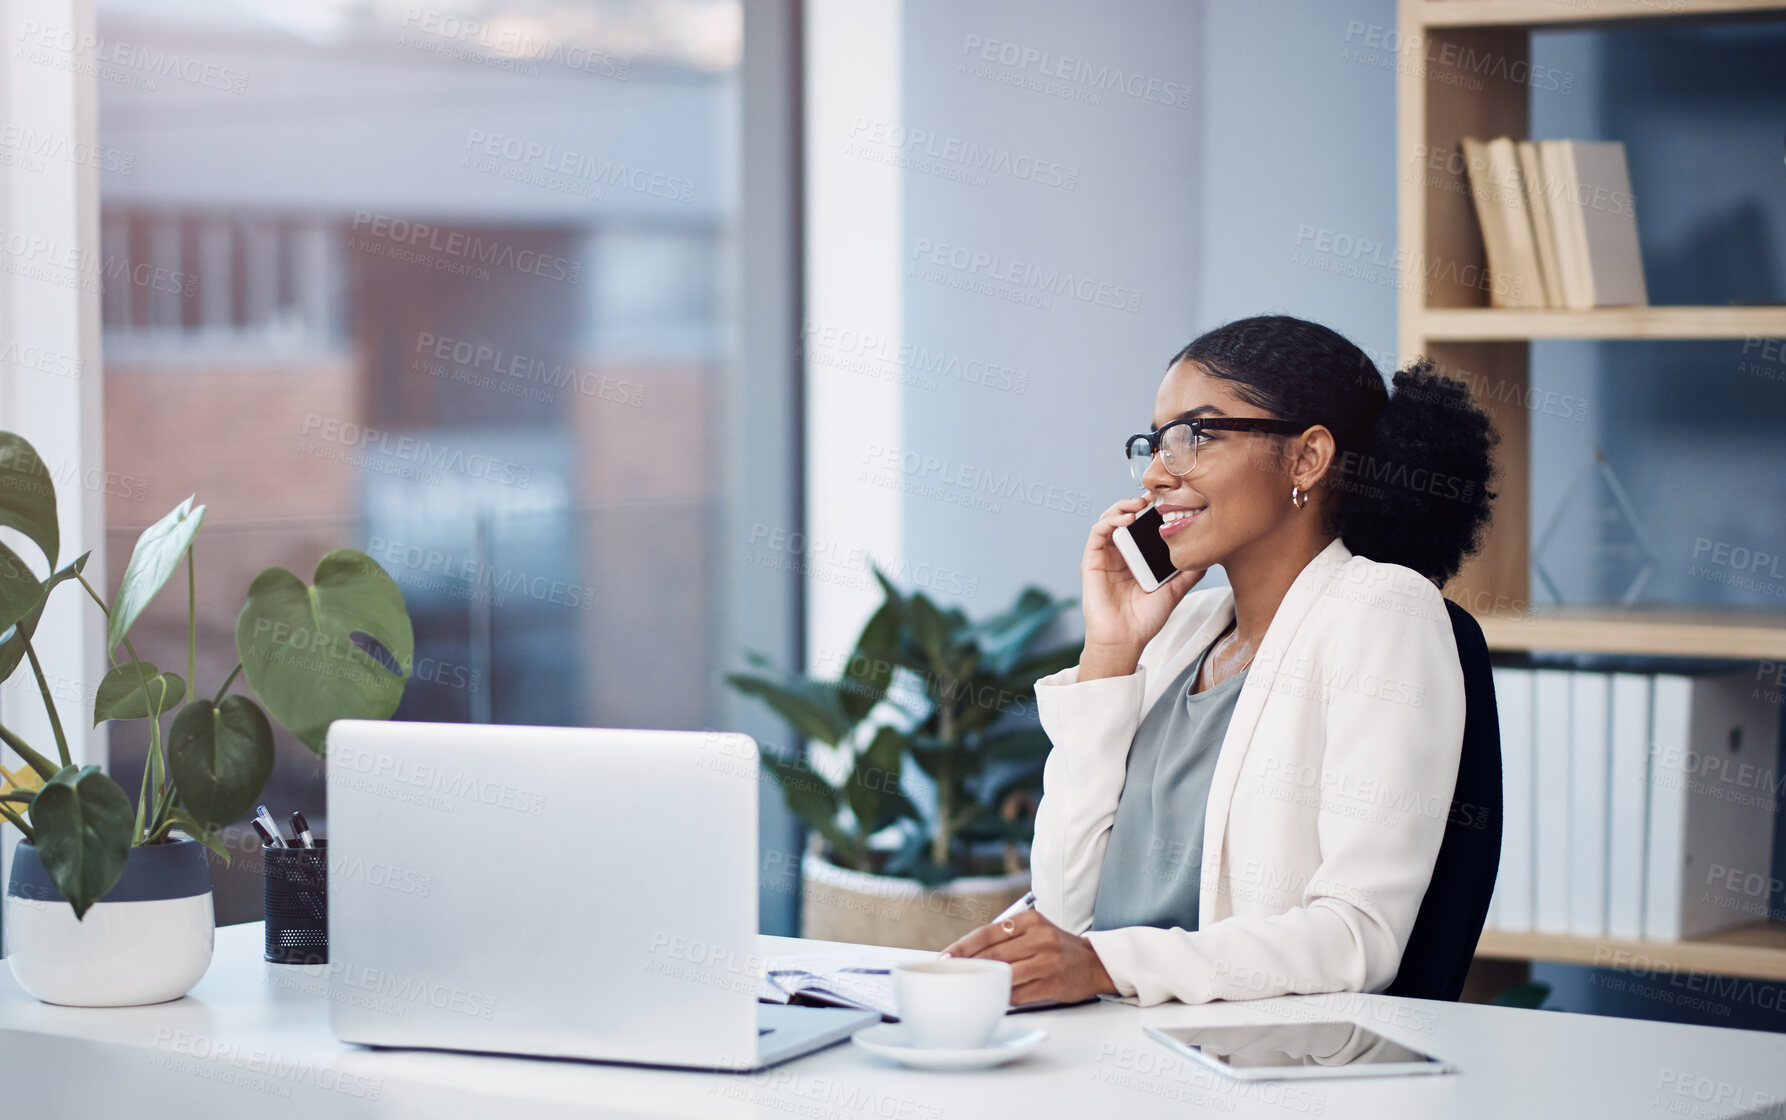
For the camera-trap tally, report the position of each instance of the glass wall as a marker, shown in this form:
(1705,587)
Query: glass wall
(446,284)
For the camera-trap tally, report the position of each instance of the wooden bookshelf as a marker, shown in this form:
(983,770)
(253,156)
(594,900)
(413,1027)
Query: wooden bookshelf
(1470,56)
(1495,324)
(1580,13)
(1640,633)
(1756,950)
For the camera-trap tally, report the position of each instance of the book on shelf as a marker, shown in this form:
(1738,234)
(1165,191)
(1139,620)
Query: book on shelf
(1713,757)
(1628,804)
(1637,806)
(1558,222)
(1589,766)
(1551,721)
(1512,902)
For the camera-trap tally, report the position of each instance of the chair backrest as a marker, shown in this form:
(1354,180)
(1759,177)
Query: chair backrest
(1451,916)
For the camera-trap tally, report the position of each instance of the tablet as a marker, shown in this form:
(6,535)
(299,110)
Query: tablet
(1282,1051)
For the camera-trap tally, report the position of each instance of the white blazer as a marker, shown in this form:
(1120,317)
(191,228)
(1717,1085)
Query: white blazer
(1328,802)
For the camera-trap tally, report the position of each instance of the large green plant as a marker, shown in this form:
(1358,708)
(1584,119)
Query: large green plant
(927,687)
(295,645)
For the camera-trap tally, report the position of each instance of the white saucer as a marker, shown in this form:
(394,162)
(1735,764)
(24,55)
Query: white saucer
(890,1040)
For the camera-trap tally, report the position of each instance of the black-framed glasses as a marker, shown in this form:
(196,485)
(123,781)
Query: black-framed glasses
(1176,443)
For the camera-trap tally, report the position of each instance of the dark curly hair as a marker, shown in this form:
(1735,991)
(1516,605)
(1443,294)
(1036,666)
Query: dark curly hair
(1414,467)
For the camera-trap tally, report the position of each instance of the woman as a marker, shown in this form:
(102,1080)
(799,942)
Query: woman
(1248,784)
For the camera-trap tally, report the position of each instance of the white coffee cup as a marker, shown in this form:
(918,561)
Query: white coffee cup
(952,1003)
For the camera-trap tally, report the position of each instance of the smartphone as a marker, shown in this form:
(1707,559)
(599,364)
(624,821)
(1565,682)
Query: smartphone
(1285,1051)
(1145,550)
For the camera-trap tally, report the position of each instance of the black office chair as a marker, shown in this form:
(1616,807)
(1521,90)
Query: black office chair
(1443,943)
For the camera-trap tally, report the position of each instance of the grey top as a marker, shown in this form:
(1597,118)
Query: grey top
(1153,865)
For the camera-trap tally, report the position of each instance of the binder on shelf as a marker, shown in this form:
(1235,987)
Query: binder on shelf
(1628,807)
(1551,769)
(1588,772)
(1714,749)
(1512,903)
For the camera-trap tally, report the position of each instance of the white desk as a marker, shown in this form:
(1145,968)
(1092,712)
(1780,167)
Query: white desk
(252,1042)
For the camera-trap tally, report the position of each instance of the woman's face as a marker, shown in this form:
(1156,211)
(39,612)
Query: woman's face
(1238,492)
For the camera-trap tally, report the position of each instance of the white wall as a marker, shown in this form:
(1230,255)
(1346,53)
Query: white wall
(1248,122)
(49,306)
(853,304)
(1104,186)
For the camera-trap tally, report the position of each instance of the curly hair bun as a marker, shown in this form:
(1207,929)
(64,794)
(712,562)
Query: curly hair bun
(1414,466)
(1419,494)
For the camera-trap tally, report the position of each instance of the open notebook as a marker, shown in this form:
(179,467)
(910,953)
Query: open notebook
(860,976)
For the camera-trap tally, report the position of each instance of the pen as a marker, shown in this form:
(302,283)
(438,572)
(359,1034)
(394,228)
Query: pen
(301,829)
(267,838)
(265,820)
(1027,902)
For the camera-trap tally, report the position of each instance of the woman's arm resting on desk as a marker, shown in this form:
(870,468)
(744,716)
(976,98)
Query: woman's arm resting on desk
(1046,961)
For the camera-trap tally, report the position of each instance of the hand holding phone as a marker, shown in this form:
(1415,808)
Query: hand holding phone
(1145,551)
(1122,611)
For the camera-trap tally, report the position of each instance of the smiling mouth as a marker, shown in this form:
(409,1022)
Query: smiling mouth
(1178,520)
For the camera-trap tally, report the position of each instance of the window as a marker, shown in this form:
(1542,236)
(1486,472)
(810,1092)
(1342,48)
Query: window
(272,284)
(434,284)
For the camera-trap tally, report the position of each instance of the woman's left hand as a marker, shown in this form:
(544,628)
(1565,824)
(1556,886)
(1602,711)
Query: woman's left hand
(1046,961)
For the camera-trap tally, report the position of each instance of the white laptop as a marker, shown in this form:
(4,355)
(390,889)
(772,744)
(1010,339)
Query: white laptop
(560,892)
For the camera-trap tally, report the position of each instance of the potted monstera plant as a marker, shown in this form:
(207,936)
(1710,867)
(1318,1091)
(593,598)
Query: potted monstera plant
(921,768)
(109,901)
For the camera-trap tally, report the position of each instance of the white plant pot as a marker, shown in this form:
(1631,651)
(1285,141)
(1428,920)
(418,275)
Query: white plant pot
(148,940)
(838,904)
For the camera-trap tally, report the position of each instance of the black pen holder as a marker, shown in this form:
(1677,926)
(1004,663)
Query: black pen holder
(297,902)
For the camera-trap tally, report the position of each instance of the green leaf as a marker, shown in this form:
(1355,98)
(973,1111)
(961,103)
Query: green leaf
(812,708)
(814,801)
(873,791)
(12,641)
(297,650)
(930,632)
(20,591)
(28,496)
(83,822)
(220,757)
(121,696)
(864,685)
(1005,637)
(982,702)
(210,836)
(869,670)
(1020,744)
(44,767)
(884,634)
(887,589)
(157,554)
(1024,675)
(933,756)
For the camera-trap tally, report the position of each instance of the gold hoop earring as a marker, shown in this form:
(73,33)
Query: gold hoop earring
(1298,497)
